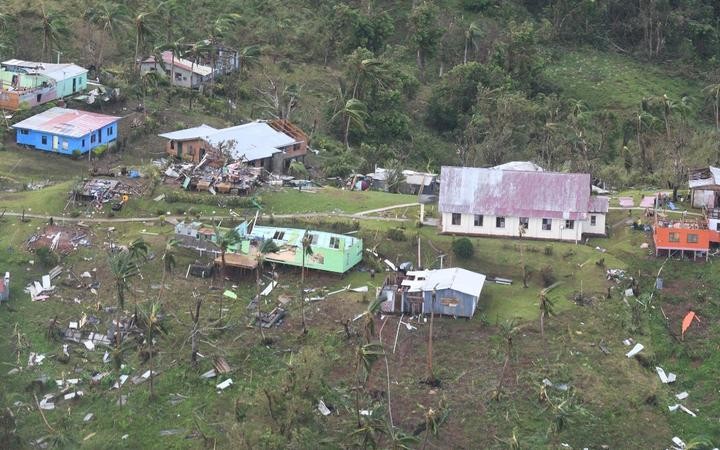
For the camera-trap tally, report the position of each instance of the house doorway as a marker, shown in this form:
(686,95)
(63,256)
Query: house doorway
(55,143)
(74,84)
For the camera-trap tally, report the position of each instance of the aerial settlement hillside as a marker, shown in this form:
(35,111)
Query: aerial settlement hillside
(435,227)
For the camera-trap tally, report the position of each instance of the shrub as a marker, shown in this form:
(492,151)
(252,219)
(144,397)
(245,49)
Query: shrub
(213,200)
(463,248)
(547,274)
(548,250)
(46,257)
(396,234)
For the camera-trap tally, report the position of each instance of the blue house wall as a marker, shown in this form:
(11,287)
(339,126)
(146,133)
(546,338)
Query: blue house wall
(64,144)
(465,306)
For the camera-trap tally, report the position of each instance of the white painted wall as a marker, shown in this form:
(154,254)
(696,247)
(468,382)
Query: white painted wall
(186,78)
(558,230)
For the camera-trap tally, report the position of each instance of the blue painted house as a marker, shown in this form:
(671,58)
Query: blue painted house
(67,131)
(457,292)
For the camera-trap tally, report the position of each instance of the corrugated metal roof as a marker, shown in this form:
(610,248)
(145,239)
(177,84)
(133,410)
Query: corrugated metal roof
(457,279)
(704,178)
(186,64)
(251,141)
(294,236)
(513,193)
(599,204)
(527,166)
(58,72)
(66,122)
(200,132)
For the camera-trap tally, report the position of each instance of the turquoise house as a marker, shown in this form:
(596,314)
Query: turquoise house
(27,83)
(67,131)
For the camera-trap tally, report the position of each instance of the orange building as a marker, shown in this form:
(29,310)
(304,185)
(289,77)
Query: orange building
(693,237)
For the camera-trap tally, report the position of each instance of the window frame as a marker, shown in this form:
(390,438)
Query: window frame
(546,225)
(569,224)
(457,216)
(593,220)
(674,236)
(478,220)
(500,222)
(695,238)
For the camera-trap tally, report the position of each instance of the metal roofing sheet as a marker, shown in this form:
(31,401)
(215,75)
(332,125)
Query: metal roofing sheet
(255,140)
(181,63)
(294,236)
(457,279)
(527,166)
(599,204)
(66,122)
(513,193)
(703,178)
(200,132)
(57,72)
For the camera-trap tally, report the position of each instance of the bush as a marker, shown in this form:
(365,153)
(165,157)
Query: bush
(547,274)
(213,200)
(463,248)
(45,257)
(396,234)
(548,250)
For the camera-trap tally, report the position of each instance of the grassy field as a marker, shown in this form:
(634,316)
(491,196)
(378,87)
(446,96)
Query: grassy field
(615,82)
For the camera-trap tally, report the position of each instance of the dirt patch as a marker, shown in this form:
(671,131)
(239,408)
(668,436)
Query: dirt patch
(62,240)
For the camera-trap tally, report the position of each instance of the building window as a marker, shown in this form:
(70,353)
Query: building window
(65,145)
(674,237)
(24,132)
(83,142)
(524,223)
(44,140)
(478,220)
(313,239)
(456,218)
(172,145)
(499,222)
(547,224)
(569,224)
(92,138)
(593,220)
(178,76)
(692,238)
(279,235)
(109,131)
(334,242)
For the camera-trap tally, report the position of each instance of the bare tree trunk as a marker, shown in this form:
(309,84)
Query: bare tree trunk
(466,50)
(195,328)
(430,373)
(302,292)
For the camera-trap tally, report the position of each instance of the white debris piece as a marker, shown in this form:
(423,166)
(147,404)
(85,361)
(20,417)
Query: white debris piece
(225,384)
(86,275)
(635,350)
(88,417)
(665,378)
(46,283)
(678,442)
(72,395)
(65,350)
(209,374)
(68,382)
(360,289)
(45,403)
(123,379)
(268,289)
(146,375)
(35,359)
(324,410)
(73,325)
(628,342)
(89,345)
(629,293)
(688,411)
(106,357)
(682,396)
(366,412)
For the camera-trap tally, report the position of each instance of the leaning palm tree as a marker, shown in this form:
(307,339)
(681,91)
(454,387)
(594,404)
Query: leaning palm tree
(142,32)
(354,113)
(123,268)
(507,330)
(154,328)
(109,17)
(306,250)
(169,262)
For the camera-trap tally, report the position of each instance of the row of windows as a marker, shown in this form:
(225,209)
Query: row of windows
(524,222)
(93,138)
(691,238)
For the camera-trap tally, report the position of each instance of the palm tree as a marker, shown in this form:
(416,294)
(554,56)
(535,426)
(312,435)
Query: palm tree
(365,357)
(368,69)
(142,32)
(507,330)
(170,10)
(168,259)
(355,112)
(268,246)
(109,17)
(248,57)
(154,327)
(225,240)
(713,90)
(546,307)
(471,33)
(216,32)
(431,380)
(52,26)
(123,269)
(195,52)
(306,250)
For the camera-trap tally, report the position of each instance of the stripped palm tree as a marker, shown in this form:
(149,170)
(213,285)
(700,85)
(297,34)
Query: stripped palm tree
(306,250)
(151,320)
(713,91)
(546,306)
(225,240)
(473,31)
(354,112)
(142,32)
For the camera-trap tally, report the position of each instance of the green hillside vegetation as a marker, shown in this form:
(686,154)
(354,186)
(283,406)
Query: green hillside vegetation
(626,91)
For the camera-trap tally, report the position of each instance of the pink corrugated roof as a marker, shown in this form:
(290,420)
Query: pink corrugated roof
(66,122)
(626,202)
(186,64)
(549,195)
(599,204)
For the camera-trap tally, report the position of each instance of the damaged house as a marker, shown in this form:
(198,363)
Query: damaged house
(269,145)
(539,205)
(24,84)
(705,187)
(457,292)
(193,74)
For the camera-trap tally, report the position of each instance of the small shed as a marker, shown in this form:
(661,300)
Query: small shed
(457,291)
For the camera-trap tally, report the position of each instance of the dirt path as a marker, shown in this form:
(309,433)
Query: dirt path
(358,215)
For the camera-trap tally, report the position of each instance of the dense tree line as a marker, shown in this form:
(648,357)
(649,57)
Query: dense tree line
(419,83)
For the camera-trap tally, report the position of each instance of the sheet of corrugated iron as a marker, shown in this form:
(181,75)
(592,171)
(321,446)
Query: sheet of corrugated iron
(66,122)
(473,190)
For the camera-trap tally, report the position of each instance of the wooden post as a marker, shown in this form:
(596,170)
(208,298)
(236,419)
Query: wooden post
(431,374)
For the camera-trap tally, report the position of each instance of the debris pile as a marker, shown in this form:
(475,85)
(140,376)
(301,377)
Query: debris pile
(59,239)
(235,178)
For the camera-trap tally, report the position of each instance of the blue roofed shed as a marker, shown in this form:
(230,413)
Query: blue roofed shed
(457,292)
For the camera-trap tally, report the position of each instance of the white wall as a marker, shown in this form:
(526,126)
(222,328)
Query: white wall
(703,199)
(557,231)
(185,81)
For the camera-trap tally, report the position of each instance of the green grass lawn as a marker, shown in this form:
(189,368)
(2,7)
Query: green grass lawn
(612,81)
